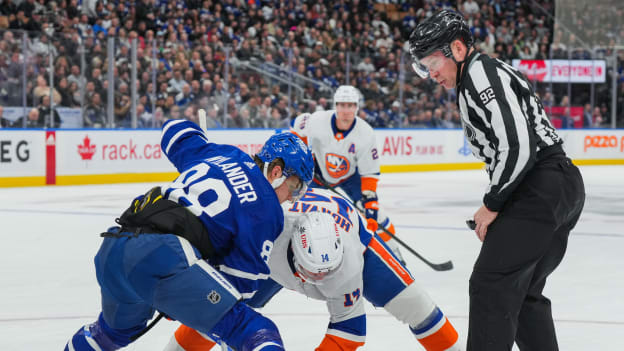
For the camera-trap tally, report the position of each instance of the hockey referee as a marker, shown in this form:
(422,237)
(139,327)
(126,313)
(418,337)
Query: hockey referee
(535,195)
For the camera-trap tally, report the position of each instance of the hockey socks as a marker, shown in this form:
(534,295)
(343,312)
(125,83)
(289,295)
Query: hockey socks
(426,321)
(436,333)
(188,339)
(242,328)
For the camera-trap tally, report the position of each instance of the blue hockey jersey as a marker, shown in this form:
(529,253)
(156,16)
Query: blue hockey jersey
(224,188)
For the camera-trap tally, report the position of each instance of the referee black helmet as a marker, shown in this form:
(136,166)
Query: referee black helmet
(437,33)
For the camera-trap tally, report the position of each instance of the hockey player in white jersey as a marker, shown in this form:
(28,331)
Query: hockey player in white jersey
(346,156)
(325,252)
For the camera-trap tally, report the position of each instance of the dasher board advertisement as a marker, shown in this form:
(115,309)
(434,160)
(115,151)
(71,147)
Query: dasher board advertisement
(563,71)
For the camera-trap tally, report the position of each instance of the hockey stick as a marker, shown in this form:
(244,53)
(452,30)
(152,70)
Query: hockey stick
(201,114)
(444,266)
(148,327)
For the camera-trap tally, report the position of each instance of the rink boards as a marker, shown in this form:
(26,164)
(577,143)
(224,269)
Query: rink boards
(96,156)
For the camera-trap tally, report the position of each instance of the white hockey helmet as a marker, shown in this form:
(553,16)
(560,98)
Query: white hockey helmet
(347,93)
(317,246)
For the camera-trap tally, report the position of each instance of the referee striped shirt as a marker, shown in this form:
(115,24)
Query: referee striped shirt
(504,122)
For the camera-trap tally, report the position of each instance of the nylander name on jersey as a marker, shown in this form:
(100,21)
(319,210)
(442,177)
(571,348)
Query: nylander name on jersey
(237,178)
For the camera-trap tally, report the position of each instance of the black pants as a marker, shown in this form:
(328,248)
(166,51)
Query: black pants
(525,243)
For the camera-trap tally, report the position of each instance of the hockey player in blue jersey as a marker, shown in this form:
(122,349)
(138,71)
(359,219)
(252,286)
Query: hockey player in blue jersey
(195,248)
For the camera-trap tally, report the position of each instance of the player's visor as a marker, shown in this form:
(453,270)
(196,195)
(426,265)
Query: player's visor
(297,190)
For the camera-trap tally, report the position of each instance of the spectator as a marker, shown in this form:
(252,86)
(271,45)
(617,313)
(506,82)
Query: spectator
(212,119)
(597,117)
(33,120)
(47,116)
(470,8)
(96,76)
(567,122)
(587,116)
(177,83)
(75,94)
(122,108)
(366,66)
(282,107)
(428,119)
(65,93)
(206,90)
(526,54)
(190,44)
(159,118)
(437,118)
(322,104)
(94,115)
(144,117)
(413,121)
(276,121)
(43,47)
(3,122)
(174,112)
(42,89)
(190,114)
(253,108)
(185,97)
(75,76)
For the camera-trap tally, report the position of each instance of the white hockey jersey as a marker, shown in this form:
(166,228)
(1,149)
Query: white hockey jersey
(389,284)
(343,289)
(337,153)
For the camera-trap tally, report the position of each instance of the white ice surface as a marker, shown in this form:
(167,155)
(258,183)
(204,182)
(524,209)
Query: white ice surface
(49,236)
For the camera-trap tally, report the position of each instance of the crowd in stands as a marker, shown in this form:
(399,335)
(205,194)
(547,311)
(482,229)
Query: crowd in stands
(267,44)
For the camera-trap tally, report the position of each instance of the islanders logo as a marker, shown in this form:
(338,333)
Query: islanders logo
(337,166)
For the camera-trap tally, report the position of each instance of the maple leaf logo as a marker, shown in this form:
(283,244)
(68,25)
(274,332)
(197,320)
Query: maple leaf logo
(86,150)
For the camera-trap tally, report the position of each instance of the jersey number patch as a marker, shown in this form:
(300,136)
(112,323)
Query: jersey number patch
(267,247)
(351,298)
(196,192)
(487,95)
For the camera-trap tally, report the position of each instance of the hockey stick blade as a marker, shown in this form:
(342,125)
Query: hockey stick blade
(444,266)
(440,267)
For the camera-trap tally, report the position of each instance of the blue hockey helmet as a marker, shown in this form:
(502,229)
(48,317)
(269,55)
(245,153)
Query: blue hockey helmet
(296,155)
